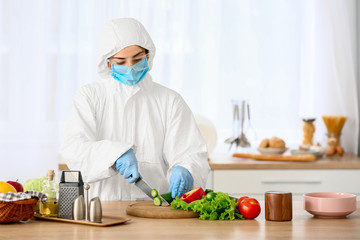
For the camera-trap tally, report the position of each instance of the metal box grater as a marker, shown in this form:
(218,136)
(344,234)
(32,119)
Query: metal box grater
(71,186)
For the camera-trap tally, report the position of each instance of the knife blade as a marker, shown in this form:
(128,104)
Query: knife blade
(145,188)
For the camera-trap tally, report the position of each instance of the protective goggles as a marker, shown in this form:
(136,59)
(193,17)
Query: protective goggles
(123,61)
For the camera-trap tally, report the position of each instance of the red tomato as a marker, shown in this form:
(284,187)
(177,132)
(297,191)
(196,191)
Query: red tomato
(249,207)
(242,198)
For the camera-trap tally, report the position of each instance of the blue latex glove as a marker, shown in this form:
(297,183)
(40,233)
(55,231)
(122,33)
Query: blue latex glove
(180,181)
(127,166)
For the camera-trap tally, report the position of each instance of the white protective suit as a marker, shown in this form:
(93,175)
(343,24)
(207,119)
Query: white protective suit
(108,118)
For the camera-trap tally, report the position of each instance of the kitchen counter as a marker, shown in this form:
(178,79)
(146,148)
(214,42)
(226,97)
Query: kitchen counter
(303,226)
(227,162)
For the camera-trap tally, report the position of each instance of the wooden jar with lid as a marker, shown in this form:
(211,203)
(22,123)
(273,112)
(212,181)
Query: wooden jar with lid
(278,206)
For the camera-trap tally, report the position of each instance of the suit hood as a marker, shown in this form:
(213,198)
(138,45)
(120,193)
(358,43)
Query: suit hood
(118,34)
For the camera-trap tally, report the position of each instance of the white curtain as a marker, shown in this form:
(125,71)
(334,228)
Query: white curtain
(329,65)
(290,59)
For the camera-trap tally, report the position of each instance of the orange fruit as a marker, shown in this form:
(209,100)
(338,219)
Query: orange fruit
(5,187)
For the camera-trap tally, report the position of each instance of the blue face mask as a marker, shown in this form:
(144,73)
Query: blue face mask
(130,75)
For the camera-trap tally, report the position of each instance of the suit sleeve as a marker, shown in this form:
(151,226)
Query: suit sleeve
(81,150)
(184,145)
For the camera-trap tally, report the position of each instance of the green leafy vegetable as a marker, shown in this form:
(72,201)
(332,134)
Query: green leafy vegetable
(219,208)
(34,184)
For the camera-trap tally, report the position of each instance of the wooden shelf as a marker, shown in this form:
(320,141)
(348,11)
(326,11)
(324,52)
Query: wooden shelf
(224,161)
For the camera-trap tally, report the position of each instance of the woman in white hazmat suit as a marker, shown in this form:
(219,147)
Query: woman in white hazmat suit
(126,123)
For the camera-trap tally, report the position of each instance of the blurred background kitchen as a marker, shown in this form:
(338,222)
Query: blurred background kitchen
(288,59)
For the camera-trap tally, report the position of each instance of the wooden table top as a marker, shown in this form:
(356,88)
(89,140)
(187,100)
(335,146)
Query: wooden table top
(227,162)
(303,226)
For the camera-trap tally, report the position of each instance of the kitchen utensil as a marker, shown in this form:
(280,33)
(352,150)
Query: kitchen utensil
(87,215)
(276,157)
(79,208)
(95,210)
(235,138)
(243,141)
(278,206)
(250,132)
(329,204)
(106,220)
(272,150)
(71,187)
(147,209)
(145,188)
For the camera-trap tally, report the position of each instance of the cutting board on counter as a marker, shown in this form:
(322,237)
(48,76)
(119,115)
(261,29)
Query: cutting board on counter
(277,157)
(147,209)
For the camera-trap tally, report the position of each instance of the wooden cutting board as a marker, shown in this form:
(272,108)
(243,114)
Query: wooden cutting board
(277,157)
(147,209)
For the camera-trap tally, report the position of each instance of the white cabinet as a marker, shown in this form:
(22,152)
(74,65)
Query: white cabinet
(256,182)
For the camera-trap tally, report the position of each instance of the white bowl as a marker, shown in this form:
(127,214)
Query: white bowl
(272,150)
(300,152)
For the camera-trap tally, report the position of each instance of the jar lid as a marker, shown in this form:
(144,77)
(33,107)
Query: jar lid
(309,120)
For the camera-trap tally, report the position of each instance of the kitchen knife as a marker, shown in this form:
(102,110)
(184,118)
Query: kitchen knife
(145,188)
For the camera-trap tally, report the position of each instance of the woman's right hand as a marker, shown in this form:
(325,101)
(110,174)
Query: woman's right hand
(127,166)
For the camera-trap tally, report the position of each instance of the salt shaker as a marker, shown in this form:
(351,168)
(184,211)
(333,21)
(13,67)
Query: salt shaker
(95,210)
(79,208)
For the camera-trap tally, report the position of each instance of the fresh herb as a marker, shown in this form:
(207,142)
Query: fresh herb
(221,207)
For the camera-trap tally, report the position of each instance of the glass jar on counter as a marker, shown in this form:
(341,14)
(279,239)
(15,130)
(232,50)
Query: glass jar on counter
(308,131)
(333,139)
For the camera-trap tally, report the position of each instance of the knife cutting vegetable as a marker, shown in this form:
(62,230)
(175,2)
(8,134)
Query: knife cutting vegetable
(143,186)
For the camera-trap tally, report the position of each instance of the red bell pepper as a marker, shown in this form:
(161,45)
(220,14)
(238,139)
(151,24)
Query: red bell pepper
(193,195)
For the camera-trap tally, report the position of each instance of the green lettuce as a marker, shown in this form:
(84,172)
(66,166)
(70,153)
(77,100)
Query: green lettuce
(34,184)
(222,207)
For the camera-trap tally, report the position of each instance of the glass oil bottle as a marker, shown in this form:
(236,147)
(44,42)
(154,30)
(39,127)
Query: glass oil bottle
(51,206)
